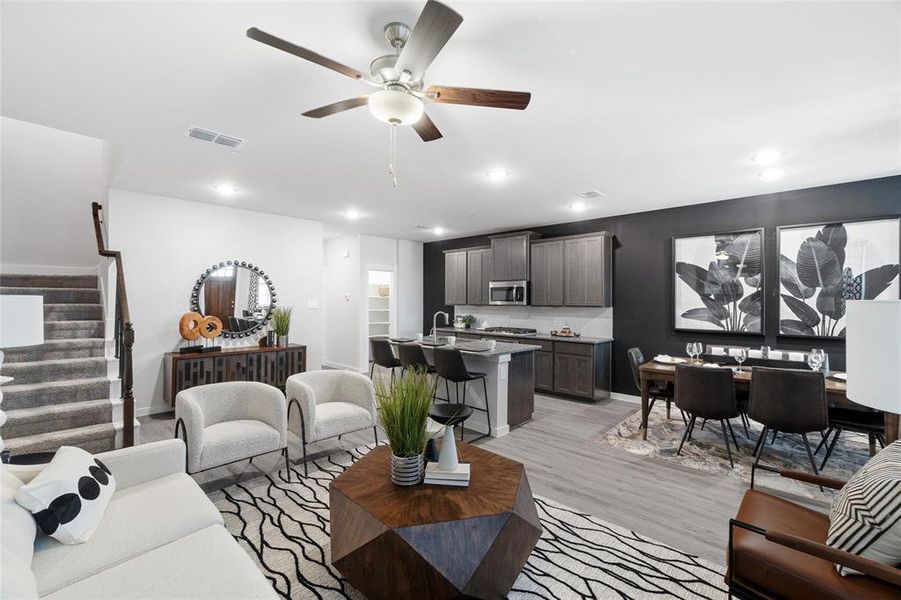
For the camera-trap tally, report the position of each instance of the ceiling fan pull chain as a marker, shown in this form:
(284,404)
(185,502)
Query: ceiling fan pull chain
(392,151)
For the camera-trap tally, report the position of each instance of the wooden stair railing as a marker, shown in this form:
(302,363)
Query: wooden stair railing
(124,332)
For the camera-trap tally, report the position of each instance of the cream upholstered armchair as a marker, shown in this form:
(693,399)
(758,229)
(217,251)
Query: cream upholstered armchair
(223,423)
(332,404)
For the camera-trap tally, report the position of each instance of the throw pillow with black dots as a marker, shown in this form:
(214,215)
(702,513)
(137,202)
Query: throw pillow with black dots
(68,498)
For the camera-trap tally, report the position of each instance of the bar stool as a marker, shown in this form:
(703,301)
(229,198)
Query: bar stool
(381,355)
(449,364)
(412,357)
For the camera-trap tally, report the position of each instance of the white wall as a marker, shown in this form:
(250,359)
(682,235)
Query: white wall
(167,242)
(343,302)
(591,322)
(50,178)
(347,343)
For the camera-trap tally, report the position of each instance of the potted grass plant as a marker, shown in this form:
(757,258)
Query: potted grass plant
(404,411)
(281,324)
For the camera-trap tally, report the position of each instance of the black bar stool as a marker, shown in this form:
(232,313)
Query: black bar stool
(380,354)
(412,357)
(449,364)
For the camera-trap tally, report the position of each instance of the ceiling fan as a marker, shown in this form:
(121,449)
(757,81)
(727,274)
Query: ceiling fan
(399,101)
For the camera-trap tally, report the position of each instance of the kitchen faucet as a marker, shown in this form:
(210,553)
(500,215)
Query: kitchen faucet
(435,324)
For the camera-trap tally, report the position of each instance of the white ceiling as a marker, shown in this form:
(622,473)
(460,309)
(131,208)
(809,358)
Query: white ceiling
(654,104)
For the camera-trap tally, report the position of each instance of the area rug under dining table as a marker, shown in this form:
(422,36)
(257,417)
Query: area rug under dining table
(706,451)
(284,526)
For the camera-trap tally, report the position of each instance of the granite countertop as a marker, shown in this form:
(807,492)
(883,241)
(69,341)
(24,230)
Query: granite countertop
(539,336)
(468,347)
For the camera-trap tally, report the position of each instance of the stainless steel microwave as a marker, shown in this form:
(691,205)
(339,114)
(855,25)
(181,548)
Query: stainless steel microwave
(508,292)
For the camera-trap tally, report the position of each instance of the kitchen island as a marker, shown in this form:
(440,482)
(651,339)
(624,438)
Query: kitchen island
(510,379)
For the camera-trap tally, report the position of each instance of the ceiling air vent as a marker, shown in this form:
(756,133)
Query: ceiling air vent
(229,141)
(591,194)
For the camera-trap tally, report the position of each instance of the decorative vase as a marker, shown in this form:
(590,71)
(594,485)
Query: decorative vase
(270,339)
(407,470)
(282,341)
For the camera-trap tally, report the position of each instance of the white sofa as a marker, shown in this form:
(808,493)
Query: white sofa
(160,537)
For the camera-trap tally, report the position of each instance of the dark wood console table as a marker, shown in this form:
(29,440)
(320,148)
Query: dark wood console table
(251,363)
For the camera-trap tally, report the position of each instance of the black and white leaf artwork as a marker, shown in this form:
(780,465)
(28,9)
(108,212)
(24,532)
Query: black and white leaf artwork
(822,267)
(718,282)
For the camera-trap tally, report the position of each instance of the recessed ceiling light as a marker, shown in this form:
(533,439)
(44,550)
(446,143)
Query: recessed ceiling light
(226,190)
(771,174)
(437,230)
(767,156)
(353,214)
(497,175)
(578,207)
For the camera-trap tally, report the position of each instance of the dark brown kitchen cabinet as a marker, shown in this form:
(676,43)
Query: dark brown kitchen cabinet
(574,370)
(455,277)
(547,274)
(544,371)
(588,270)
(510,257)
(478,274)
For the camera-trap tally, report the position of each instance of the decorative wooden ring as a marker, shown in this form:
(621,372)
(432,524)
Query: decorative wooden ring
(189,326)
(210,327)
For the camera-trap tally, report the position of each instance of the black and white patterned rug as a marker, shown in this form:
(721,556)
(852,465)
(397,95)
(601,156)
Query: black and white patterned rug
(284,526)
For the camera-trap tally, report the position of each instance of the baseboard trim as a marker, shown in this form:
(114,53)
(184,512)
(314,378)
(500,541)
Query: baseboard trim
(327,364)
(19,269)
(625,397)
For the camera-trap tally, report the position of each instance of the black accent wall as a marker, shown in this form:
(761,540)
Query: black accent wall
(642,263)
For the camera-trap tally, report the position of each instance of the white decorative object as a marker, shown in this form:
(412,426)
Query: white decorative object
(231,421)
(873,350)
(21,324)
(68,498)
(447,460)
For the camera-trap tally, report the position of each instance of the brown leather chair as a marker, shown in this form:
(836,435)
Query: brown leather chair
(788,401)
(777,549)
(709,394)
(658,390)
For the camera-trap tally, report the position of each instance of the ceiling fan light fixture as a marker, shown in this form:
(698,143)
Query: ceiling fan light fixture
(395,107)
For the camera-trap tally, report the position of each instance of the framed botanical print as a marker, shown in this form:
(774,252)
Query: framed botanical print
(718,282)
(823,265)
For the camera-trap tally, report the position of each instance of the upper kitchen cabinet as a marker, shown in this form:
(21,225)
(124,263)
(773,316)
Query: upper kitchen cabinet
(547,273)
(588,270)
(455,277)
(478,274)
(510,256)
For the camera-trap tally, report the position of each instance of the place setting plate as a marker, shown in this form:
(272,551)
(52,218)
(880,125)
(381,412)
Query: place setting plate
(669,360)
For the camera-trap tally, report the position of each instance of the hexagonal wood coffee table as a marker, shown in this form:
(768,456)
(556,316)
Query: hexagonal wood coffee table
(430,541)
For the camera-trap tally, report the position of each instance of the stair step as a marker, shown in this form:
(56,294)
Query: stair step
(57,295)
(49,281)
(30,395)
(40,371)
(73,311)
(56,349)
(63,330)
(93,438)
(44,419)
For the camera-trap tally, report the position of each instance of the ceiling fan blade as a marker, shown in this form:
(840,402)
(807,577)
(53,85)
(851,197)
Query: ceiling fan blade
(331,109)
(285,46)
(426,129)
(479,97)
(436,24)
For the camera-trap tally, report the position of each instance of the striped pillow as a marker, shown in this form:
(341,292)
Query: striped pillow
(866,513)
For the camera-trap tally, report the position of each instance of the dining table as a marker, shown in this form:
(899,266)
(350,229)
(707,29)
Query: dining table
(836,393)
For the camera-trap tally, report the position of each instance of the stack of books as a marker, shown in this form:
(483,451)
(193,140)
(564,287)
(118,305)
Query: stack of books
(458,477)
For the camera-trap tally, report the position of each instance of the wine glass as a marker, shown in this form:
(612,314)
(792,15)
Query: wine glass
(741,356)
(690,350)
(699,350)
(816,358)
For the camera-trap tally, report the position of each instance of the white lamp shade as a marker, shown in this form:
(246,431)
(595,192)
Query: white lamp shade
(21,321)
(395,107)
(873,350)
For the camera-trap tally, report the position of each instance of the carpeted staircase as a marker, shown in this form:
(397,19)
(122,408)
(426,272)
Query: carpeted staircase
(61,392)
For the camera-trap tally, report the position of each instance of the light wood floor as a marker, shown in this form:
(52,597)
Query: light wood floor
(681,507)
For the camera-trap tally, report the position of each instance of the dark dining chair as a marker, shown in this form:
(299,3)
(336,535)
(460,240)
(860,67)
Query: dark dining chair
(869,422)
(380,354)
(663,391)
(707,393)
(788,401)
(450,366)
